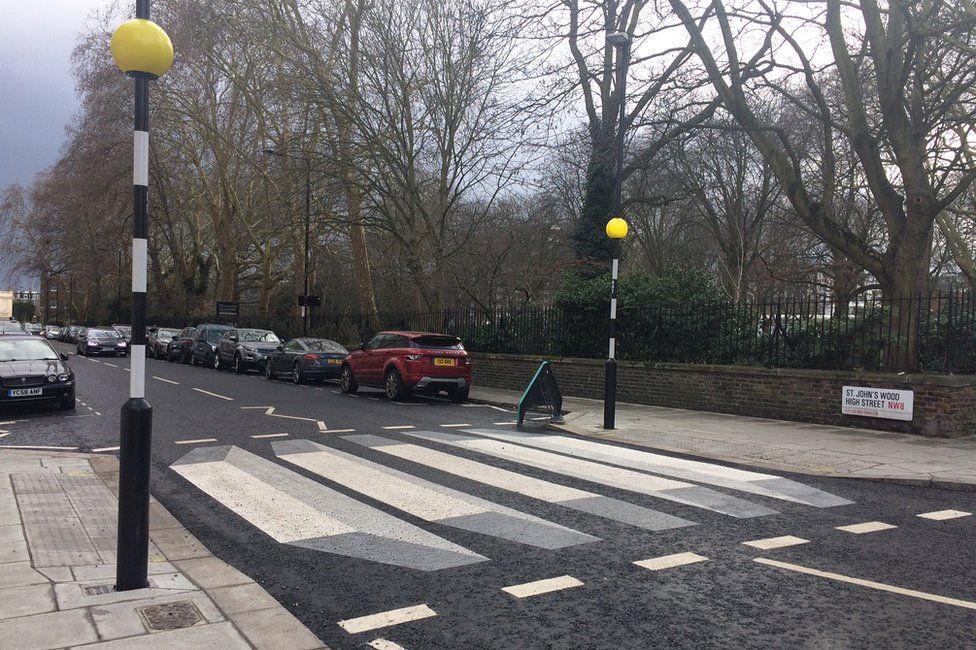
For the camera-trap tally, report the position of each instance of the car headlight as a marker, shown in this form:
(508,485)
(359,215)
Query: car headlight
(64,376)
(213,348)
(121,344)
(52,378)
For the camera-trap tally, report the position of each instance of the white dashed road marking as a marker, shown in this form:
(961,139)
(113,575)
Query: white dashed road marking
(339,431)
(455,426)
(195,441)
(110,364)
(776,542)
(502,424)
(938,515)
(101,449)
(385,644)
(168,381)
(866,527)
(38,447)
(386,619)
(867,583)
(260,436)
(670,561)
(400,427)
(207,392)
(546,586)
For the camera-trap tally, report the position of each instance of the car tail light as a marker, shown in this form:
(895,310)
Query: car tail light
(466,361)
(414,357)
(310,356)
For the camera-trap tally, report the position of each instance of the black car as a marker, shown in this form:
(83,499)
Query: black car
(203,351)
(101,340)
(304,359)
(31,371)
(158,342)
(178,349)
(244,349)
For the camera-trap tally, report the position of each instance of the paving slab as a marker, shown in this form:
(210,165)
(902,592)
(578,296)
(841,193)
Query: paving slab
(51,630)
(208,637)
(275,628)
(26,600)
(123,619)
(242,598)
(210,572)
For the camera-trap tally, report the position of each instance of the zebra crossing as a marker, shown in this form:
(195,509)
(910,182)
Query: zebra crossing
(277,496)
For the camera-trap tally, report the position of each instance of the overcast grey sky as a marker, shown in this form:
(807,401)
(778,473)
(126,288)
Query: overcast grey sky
(37,96)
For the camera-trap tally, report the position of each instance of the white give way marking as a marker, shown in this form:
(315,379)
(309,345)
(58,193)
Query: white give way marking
(270,410)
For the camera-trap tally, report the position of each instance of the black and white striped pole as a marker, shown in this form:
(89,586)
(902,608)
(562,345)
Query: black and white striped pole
(616,230)
(142,50)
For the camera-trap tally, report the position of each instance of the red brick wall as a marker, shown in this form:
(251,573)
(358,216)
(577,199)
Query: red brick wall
(945,405)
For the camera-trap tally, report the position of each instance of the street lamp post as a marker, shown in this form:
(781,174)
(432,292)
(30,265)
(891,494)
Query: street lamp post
(308,219)
(142,50)
(616,227)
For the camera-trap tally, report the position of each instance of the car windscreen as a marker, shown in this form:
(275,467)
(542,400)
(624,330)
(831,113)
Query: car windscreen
(11,328)
(325,345)
(437,342)
(214,335)
(166,334)
(257,336)
(26,350)
(102,334)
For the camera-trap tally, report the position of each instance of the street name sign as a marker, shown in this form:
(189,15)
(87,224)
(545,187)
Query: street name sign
(888,403)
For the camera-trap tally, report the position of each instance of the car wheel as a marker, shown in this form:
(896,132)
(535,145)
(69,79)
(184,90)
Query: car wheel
(268,373)
(193,359)
(393,384)
(297,374)
(238,364)
(346,381)
(217,365)
(458,395)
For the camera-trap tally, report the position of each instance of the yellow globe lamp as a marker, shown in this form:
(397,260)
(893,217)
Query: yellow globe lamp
(140,46)
(617,228)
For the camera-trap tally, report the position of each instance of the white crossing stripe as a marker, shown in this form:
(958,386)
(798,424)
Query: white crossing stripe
(455,426)
(296,510)
(194,441)
(670,561)
(386,619)
(767,485)
(776,542)
(168,381)
(866,527)
(867,583)
(207,392)
(101,449)
(385,644)
(260,436)
(942,515)
(546,586)
(624,479)
(529,486)
(424,499)
(400,427)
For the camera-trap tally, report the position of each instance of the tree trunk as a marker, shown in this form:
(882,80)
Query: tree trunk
(590,242)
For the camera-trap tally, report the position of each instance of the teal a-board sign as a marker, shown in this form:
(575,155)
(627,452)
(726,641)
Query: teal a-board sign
(542,391)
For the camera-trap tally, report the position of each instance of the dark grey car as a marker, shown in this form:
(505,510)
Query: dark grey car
(304,359)
(158,344)
(246,349)
(203,350)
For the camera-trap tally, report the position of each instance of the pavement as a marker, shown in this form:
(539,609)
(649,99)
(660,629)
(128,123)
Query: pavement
(425,524)
(57,570)
(814,449)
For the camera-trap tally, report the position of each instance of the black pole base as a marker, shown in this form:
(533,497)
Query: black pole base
(610,394)
(132,565)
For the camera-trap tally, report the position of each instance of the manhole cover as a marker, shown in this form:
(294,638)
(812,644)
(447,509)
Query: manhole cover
(170,616)
(98,590)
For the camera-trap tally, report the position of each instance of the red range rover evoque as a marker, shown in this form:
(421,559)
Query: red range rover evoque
(404,362)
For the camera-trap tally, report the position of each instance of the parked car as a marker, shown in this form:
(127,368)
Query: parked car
(178,349)
(31,371)
(71,334)
(403,362)
(304,359)
(51,331)
(8,327)
(244,349)
(157,345)
(34,329)
(101,340)
(124,331)
(204,348)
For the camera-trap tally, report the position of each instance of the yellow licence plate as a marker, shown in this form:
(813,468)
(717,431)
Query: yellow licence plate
(335,362)
(445,362)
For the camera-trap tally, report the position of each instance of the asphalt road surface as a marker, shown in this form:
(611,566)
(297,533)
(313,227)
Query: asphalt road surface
(433,525)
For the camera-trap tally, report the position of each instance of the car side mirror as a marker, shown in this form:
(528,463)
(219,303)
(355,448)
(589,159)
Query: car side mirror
(232,339)
(279,348)
(363,345)
(64,357)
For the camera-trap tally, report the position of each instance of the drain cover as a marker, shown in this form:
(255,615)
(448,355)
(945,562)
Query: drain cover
(170,616)
(98,590)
